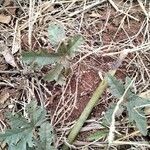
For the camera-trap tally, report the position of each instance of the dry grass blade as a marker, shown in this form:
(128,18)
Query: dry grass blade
(87,8)
(143,8)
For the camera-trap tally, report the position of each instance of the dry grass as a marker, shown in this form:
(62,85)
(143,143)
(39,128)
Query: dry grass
(106,27)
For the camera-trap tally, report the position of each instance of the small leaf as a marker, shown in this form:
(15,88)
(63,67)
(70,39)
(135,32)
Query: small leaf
(116,87)
(74,43)
(54,74)
(97,135)
(56,33)
(40,58)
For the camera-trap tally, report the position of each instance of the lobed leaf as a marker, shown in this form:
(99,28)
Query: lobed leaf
(16,136)
(134,104)
(21,134)
(136,113)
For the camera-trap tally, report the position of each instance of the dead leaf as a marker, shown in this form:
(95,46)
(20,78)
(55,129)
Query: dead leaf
(4,97)
(11,6)
(9,58)
(8,10)
(95,15)
(6,2)
(5,19)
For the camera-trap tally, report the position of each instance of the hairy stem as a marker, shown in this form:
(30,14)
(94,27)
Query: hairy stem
(88,109)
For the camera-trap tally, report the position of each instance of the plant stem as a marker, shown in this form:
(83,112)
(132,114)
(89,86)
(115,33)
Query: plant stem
(88,109)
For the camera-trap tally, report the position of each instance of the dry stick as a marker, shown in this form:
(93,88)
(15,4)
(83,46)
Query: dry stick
(87,7)
(121,11)
(143,8)
(93,101)
(132,143)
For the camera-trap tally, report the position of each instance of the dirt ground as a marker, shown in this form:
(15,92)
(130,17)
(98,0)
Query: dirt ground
(106,31)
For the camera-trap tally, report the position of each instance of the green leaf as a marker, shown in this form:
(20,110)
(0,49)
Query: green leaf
(16,136)
(46,136)
(19,146)
(56,33)
(73,44)
(36,114)
(61,80)
(21,134)
(17,121)
(128,82)
(116,87)
(54,74)
(31,148)
(136,113)
(97,135)
(40,58)
(62,49)
(108,115)
(134,103)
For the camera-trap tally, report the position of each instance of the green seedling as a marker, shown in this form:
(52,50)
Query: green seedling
(65,49)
